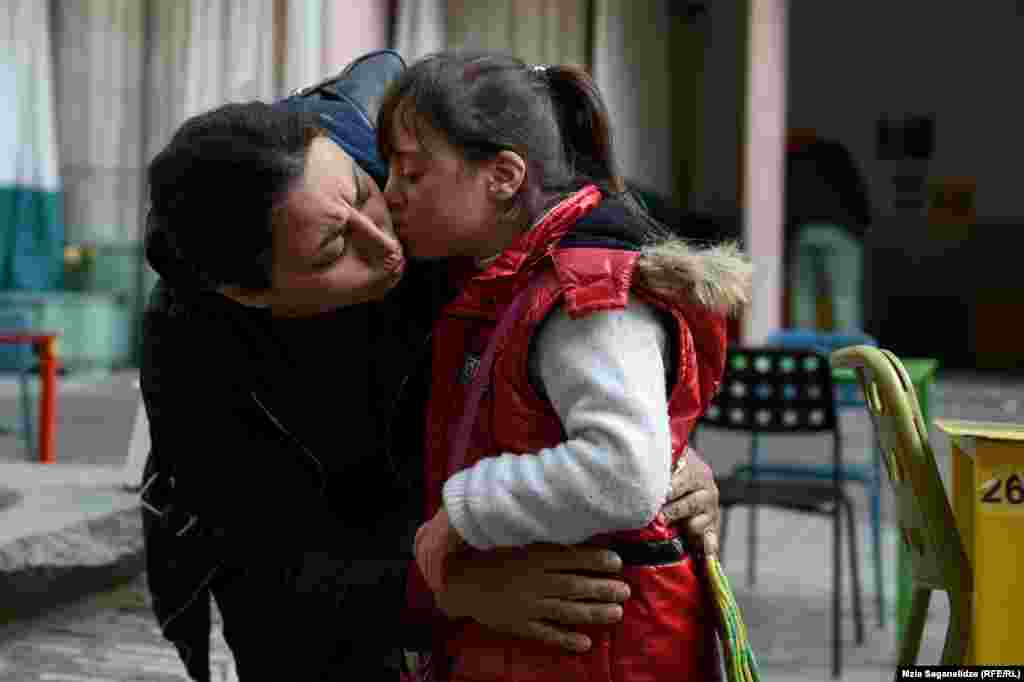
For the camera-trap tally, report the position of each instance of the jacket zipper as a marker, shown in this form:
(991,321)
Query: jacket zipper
(205,583)
(393,413)
(294,439)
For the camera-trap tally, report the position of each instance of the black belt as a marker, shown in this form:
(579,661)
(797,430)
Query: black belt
(652,553)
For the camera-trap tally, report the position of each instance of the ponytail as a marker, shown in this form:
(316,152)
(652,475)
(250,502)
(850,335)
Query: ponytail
(585,125)
(485,102)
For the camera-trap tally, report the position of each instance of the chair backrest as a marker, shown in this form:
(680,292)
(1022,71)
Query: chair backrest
(935,549)
(847,395)
(774,390)
(15,357)
(823,342)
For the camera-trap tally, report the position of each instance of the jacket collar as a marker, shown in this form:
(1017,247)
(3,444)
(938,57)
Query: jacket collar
(540,239)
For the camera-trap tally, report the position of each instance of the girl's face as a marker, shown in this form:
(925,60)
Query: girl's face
(441,204)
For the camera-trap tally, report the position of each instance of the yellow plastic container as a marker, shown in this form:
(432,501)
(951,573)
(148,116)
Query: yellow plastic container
(988,502)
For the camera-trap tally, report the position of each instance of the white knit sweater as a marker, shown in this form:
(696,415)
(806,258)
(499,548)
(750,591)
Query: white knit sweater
(605,376)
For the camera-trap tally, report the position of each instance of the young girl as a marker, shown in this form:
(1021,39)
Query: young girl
(613,355)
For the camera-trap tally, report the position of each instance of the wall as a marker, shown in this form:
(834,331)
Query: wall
(851,62)
(716,185)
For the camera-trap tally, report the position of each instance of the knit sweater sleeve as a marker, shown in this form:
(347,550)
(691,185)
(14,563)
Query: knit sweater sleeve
(605,377)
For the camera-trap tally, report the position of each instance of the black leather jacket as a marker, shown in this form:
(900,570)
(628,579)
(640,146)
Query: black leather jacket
(273,438)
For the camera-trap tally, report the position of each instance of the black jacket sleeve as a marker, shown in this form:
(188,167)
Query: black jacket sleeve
(226,463)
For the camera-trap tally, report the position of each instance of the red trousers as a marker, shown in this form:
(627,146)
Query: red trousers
(666,635)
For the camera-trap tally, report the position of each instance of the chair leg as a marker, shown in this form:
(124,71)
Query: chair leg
(752,527)
(837,593)
(858,610)
(27,433)
(876,538)
(722,524)
(914,628)
(752,546)
(958,634)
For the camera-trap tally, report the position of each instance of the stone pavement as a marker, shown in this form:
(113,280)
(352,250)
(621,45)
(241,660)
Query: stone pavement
(75,532)
(107,637)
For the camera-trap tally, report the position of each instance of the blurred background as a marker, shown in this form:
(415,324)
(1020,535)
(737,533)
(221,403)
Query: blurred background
(889,128)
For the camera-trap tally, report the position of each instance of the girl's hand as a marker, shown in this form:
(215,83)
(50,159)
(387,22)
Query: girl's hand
(435,540)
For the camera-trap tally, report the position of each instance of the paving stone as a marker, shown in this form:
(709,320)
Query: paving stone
(109,636)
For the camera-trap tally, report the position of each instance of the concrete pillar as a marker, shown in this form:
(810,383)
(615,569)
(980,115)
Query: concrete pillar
(763,163)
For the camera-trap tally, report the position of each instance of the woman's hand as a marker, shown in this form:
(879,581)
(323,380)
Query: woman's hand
(435,541)
(537,592)
(693,502)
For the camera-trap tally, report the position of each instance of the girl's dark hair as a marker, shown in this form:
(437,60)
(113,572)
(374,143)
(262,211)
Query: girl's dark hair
(215,188)
(484,103)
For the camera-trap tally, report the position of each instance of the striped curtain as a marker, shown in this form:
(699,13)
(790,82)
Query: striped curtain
(421,27)
(203,53)
(99,75)
(31,224)
(351,29)
(625,45)
(318,38)
(537,31)
(632,67)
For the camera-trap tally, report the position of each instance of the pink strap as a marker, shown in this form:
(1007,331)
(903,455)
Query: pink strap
(481,380)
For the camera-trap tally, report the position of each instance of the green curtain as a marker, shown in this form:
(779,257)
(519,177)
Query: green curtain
(31,222)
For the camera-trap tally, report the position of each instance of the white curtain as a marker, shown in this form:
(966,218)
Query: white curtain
(320,37)
(116,113)
(537,31)
(632,69)
(303,63)
(99,58)
(203,53)
(421,27)
(629,58)
(351,29)
(31,226)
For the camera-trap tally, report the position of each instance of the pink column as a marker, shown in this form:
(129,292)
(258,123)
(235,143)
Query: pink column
(763,182)
(353,28)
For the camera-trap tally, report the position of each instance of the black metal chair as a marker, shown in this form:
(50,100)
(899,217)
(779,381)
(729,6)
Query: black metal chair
(786,391)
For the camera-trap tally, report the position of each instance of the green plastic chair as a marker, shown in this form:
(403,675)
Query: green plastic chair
(937,560)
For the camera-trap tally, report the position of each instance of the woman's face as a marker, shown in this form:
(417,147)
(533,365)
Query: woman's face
(439,202)
(333,240)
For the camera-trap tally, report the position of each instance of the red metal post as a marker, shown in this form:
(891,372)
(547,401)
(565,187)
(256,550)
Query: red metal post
(47,399)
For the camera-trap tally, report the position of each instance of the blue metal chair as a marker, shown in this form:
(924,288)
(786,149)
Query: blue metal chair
(19,359)
(848,396)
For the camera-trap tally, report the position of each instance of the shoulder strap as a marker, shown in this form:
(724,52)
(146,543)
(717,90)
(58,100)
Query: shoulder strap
(481,380)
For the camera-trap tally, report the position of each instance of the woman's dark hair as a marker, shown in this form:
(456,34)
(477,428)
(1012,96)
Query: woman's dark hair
(215,188)
(484,103)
